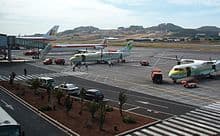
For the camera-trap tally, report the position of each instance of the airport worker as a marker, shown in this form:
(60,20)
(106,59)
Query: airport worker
(25,71)
(74,68)
(86,65)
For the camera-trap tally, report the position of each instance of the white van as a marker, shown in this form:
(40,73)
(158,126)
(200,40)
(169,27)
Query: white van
(46,81)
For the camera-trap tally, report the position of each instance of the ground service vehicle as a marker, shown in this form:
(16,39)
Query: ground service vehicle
(31,53)
(71,89)
(46,82)
(59,61)
(94,94)
(144,63)
(8,126)
(157,76)
(48,61)
(187,84)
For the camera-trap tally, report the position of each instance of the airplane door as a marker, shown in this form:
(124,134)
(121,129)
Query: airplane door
(83,58)
(188,71)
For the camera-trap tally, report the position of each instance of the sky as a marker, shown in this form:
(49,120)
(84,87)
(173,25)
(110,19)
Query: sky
(38,16)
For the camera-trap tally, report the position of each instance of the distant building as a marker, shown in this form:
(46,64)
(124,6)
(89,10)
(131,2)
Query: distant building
(219,34)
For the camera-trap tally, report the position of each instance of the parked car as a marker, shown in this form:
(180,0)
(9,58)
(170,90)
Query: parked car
(59,61)
(48,61)
(94,94)
(144,63)
(31,53)
(70,88)
(46,82)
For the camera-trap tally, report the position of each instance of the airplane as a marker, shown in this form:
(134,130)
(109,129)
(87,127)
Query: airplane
(49,36)
(102,56)
(193,68)
(78,47)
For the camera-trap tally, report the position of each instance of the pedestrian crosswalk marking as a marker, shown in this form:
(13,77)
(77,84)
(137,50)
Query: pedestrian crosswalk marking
(201,126)
(208,112)
(202,121)
(150,132)
(173,129)
(180,127)
(206,115)
(188,126)
(33,76)
(213,108)
(204,118)
(162,131)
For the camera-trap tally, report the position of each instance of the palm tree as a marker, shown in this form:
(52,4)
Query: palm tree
(59,94)
(68,104)
(35,84)
(102,114)
(93,108)
(82,97)
(122,99)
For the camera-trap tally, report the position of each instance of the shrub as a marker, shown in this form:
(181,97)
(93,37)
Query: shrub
(129,120)
(45,108)
(109,108)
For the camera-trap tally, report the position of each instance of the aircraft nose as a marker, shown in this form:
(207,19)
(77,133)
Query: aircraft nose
(170,74)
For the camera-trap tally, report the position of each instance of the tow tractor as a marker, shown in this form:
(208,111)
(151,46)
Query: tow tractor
(157,76)
(188,84)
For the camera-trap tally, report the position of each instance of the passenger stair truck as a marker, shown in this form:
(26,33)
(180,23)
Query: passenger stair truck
(157,76)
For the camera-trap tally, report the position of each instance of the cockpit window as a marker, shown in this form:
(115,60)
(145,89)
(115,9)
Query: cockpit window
(178,69)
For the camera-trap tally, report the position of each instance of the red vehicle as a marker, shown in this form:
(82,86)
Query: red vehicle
(144,63)
(59,61)
(187,84)
(156,76)
(31,53)
(48,61)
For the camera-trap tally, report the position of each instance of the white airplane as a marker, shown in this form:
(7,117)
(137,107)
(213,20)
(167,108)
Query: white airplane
(194,68)
(102,56)
(50,35)
(78,47)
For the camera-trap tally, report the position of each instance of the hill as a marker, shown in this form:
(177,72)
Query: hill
(161,30)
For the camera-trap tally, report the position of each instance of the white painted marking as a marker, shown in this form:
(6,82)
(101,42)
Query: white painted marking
(147,103)
(217,108)
(206,115)
(7,105)
(203,118)
(208,112)
(133,108)
(198,124)
(35,76)
(189,126)
(139,133)
(28,77)
(162,131)
(204,122)
(173,130)
(150,132)
(19,78)
(4,78)
(180,127)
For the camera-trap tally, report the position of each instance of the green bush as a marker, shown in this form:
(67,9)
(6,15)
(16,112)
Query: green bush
(129,120)
(109,108)
(45,108)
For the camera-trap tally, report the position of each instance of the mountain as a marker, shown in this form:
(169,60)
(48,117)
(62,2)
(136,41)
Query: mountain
(165,27)
(81,30)
(209,28)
